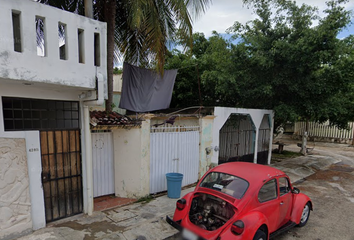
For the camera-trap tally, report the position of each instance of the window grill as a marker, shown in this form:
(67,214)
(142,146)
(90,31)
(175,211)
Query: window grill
(36,114)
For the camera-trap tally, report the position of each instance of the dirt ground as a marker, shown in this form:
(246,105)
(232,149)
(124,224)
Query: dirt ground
(332,193)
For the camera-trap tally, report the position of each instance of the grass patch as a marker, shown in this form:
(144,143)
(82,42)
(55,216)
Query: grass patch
(285,155)
(146,199)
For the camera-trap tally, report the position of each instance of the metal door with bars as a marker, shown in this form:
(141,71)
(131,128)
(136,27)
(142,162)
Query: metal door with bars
(61,173)
(173,149)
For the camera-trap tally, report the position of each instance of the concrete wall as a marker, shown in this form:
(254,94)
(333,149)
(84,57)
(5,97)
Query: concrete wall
(206,140)
(15,202)
(117,83)
(27,66)
(132,161)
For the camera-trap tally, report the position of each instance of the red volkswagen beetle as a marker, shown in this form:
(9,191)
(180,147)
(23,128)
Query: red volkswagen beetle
(241,200)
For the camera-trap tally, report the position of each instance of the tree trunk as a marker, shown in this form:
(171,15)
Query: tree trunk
(110,15)
(303,150)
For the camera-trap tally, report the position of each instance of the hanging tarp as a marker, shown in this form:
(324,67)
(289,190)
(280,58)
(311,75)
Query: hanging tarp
(144,90)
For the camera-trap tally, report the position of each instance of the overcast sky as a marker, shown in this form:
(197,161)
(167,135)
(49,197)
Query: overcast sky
(223,13)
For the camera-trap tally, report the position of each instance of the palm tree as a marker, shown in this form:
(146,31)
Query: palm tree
(138,31)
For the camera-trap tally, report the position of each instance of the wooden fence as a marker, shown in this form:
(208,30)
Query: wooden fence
(324,131)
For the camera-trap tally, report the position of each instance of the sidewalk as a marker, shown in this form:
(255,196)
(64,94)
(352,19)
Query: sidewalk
(135,221)
(146,221)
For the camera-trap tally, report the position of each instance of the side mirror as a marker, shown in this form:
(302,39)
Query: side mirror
(296,190)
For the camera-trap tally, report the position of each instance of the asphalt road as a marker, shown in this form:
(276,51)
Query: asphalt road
(332,193)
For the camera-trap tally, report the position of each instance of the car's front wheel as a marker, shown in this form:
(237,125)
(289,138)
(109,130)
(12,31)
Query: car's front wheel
(305,215)
(260,235)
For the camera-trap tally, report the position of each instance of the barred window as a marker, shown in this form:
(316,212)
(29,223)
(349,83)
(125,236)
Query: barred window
(37,114)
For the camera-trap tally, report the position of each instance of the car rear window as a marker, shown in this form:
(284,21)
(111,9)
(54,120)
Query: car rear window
(226,183)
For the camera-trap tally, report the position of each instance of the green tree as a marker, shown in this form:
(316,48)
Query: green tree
(139,30)
(205,76)
(299,69)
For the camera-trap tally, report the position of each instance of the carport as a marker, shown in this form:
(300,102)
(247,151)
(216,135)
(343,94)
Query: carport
(242,135)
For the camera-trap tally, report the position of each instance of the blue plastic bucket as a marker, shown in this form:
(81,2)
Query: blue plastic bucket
(174,184)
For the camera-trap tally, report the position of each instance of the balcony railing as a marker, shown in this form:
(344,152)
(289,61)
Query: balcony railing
(39,43)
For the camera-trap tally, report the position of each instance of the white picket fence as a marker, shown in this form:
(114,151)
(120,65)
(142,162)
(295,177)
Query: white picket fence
(324,130)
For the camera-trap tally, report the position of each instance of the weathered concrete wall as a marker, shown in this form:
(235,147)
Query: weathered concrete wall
(132,161)
(15,203)
(26,65)
(206,140)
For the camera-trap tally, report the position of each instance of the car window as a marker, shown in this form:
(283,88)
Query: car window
(284,186)
(226,183)
(268,191)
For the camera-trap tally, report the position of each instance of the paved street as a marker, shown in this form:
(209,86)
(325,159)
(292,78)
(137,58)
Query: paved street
(329,178)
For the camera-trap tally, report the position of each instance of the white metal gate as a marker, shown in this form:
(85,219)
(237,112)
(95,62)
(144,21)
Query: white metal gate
(103,165)
(173,149)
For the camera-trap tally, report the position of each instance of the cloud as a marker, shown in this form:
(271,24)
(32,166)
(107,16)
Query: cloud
(223,13)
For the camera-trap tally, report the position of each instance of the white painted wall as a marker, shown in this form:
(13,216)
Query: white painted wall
(132,161)
(221,116)
(34,172)
(29,67)
(117,83)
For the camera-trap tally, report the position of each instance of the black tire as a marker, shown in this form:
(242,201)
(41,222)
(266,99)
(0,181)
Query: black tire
(260,235)
(305,215)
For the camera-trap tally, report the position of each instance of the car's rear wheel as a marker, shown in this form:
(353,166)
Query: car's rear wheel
(260,235)
(305,215)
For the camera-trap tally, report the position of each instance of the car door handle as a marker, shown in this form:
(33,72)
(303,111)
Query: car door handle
(281,203)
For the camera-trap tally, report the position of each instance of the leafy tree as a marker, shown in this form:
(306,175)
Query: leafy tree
(186,90)
(205,76)
(293,66)
(117,71)
(139,30)
(287,59)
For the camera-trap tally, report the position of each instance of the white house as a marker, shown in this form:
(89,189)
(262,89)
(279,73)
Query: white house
(45,140)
